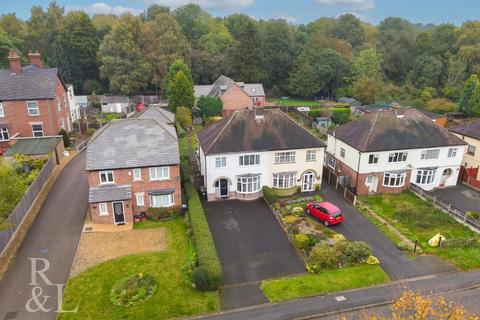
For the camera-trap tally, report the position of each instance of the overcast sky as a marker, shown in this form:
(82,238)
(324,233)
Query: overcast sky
(297,11)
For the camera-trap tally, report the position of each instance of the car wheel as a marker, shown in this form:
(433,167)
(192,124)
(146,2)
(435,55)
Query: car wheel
(326,223)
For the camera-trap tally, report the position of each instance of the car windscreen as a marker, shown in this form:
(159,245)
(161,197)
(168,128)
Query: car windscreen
(337,214)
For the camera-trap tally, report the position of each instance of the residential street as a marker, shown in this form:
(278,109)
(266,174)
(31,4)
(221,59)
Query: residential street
(461,196)
(53,236)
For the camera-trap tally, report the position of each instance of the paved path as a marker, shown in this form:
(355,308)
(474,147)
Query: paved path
(395,262)
(461,196)
(54,236)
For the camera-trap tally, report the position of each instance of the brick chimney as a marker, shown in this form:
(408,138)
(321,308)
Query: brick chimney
(34,58)
(15,64)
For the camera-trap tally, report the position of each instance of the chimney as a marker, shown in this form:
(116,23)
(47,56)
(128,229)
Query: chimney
(34,58)
(15,64)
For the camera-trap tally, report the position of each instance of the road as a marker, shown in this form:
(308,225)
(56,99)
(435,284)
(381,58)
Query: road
(54,236)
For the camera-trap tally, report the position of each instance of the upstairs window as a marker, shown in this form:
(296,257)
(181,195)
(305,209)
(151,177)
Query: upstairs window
(342,152)
(311,155)
(397,157)
(471,150)
(430,154)
(452,152)
(32,107)
(137,174)
(220,162)
(159,173)
(249,160)
(285,157)
(106,177)
(373,159)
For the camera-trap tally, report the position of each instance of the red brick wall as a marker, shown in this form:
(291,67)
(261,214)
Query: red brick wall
(109,219)
(234,99)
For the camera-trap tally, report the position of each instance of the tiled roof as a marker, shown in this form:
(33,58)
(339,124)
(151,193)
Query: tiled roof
(223,82)
(470,129)
(109,193)
(395,130)
(244,132)
(157,113)
(31,84)
(133,143)
(33,146)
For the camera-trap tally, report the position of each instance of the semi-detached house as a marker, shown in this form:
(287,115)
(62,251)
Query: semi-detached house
(250,149)
(387,150)
(470,133)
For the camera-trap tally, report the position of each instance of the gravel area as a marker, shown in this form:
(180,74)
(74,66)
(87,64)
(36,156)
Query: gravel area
(97,247)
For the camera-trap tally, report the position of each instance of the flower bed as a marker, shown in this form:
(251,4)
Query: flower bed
(133,290)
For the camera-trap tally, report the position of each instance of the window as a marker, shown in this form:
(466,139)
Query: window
(430,154)
(32,107)
(103,209)
(37,130)
(332,161)
(471,150)
(106,177)
(373,159)
(452,152)
(394,179)
(285,157)
(248,184)
(425,176)
(311,155)
(62,123)
(284,180)
(220,162)
(140,200)
(164,200)
(249,160)
(59,105)
(137,174)
(342,152)
(397,157)
(2,112)
(4,134)
(159,173)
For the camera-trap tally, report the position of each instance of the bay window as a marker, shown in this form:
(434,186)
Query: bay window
(284,180)
(248,183)
(425,176)
(394,179)
(162,200)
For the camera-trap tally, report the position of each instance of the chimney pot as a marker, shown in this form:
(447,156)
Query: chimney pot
(15,63)
(35,58)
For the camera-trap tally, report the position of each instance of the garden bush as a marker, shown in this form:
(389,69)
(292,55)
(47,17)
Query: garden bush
(158,214)
(473,214)
(203,240)
(291,219)
(341,116)
(269,195)
(65,137)
(322,256)
(402,246)
(297,211)
(202,280)
(356,252)
(301,241)
(133,290)
(90,131)
(293,229)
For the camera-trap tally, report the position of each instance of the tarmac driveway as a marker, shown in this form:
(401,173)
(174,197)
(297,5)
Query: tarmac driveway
(461,196)
(250,242)
(395,263)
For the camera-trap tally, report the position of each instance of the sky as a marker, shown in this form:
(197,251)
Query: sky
(295,11)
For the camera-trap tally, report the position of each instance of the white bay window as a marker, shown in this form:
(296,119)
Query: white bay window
(248,183)
(284,180)
(394,179)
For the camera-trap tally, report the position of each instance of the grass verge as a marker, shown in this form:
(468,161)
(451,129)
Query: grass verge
(329,281)
(174,296)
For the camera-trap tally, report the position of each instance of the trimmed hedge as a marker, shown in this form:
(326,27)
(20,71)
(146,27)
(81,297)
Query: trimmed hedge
(203,240)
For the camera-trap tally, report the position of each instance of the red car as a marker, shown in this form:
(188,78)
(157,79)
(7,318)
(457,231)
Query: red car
(326,212)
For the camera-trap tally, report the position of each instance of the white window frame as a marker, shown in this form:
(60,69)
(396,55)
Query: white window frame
(425,176)
(37,131)
(140,199)
(285,157)
(154,173)
(106,173)
(4,131)
(284,180)
(2,111)
(29,109)
(342,152)
(373,158)
(471,150)
(103,209)
(452,152)
(154,204)
(398,179)
(137,174)
(332,162)
(427,154)
(311,155)
(220,162)
(396,157)
(59,105)
(253,160)
(248,185)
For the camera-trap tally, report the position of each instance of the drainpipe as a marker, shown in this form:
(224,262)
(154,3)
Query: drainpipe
(358,170)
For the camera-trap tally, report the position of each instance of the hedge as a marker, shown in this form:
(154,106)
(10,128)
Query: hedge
(203,240)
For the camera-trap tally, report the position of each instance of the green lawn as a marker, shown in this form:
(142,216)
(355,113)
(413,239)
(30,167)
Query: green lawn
(173,298)
(423,228)
(294,102)
(329,281)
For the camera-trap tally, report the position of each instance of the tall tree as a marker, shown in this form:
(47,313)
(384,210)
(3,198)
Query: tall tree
(180,92)
(7,43)
(177,66)
(193,20)
(426,72)
(367,76)
(13,25)
(152,11)
(470,100)
(468,44)
(349,28)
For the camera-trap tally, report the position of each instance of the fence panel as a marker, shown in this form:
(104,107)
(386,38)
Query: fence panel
(21,209)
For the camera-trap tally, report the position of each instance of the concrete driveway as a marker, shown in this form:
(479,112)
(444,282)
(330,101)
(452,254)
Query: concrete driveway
(395,263)
(53,236)
(461,196)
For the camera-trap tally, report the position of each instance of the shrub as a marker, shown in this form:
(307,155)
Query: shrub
(372,260)
(402,246)
(301,241)
(323,256)
(133,290)
(297,211)
(440,105)
(269,195)
(90,131)
(210,106)
(473,214)
(290,219)
(157,214)
(293,229)
(65,137)
(206,252)
(184,117)
(341,116)
(202,280)
(356,252)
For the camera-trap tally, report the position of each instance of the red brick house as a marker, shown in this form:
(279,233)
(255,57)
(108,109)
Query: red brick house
(132,165)
(33,100)
(235,95)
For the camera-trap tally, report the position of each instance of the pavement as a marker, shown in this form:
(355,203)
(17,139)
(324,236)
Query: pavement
(54,236)
(461,196)
(346,301)
(252,247)
(393,261)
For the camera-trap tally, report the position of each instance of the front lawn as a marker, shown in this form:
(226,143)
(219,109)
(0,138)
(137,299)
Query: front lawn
(329,281)
(420,220)
(174,296)
(291,102)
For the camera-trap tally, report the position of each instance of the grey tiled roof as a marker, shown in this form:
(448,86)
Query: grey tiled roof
(254,89)
(470,129)
(109,193)
(223,82)
(113,99)
(157,113)
(202,90)
(31,84)
(133,143)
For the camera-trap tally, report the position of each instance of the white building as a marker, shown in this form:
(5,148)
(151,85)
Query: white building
(388,150)
(74,107)
(250,149)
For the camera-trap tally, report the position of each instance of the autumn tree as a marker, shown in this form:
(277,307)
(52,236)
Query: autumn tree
(180,92)
(367,76)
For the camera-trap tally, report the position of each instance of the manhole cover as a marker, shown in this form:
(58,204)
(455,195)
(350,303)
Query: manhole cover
(12,315)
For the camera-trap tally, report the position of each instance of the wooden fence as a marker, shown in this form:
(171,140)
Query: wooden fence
(457,214)
(332,179)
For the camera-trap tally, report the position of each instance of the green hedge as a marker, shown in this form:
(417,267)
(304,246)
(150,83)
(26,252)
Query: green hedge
(203,240)
(272,194)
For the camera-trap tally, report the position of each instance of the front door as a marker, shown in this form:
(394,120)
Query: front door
(371,183)
(223,188)
(118,213)
(308,183)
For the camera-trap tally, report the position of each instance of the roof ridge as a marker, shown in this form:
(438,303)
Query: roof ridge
(464,124)
(370,131)
(221,131)
(294,122)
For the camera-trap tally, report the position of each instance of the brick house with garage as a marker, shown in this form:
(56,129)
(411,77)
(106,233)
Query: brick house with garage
(33,100)
(132,165)
(387,150)
(235,95)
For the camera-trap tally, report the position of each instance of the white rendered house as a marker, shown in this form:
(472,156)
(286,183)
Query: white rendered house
(250,149)
(74,107)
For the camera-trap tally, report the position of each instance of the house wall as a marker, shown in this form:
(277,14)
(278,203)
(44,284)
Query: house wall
(471,161)
(109,218)
(74,107)
(234,98)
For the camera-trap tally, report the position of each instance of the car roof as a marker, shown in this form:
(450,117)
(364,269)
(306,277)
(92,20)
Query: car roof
(329,206)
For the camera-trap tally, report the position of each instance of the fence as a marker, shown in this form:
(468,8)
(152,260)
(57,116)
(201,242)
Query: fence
(18,214)
(468,176)
(454,212)
(82,145)
(332,179)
